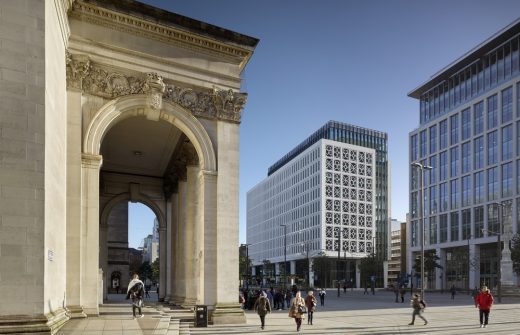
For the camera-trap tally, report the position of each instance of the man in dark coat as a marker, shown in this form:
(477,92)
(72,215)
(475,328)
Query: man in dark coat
(135,292)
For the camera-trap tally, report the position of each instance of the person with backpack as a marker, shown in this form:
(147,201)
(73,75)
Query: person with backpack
(483,302)
(262,307)
(135,292)
(418,306)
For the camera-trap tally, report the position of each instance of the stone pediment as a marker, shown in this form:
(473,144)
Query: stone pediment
(110,83)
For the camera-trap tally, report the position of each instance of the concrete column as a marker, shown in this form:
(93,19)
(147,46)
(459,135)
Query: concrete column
(439,273)
(276,271)
(90,166)
(162,261)
(358,274)
(474,273)
(311,273)
(180,275)
(173,245)
(292,267)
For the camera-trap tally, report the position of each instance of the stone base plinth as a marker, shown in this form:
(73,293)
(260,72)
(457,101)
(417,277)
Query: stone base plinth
(33,324)
(510,291)
(228,314)
(76,312)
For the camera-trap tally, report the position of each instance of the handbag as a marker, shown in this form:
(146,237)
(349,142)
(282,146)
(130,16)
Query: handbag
(302,309)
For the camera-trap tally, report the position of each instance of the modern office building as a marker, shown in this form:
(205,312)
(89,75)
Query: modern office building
(394,262)
(330,190)
(151,244)
(469,133)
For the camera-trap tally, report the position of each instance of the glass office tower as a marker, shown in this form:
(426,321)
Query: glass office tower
(469,134)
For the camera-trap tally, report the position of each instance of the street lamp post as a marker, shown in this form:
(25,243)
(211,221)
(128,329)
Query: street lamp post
(284,254)
(422,167)
(308,272)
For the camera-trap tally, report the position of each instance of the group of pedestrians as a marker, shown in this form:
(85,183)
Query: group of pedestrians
(298,307)
(483,300)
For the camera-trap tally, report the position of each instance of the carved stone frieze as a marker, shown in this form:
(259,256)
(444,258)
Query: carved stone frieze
(95,80)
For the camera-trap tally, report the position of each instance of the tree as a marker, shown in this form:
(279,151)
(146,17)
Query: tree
(145,271)
(267,268)
(430,263)
(515,253)
(155,270)
(370,266)
(321,266)
(244,263)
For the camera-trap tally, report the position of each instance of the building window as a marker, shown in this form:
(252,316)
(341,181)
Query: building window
(454,226)
(454,161)
(443,136)
(415,212)
(507,142)
(443,196)
(466,124)
(466,191)
(493,218)
(479,187)
(443,165)
(443,227)
(433,171)
(492,143)
(466,224)
(518,178)
(433,139)
(433,230)
(492,176)
(454,203)
(433,199)
(517,96)
(478,116)
(507,180)
(478,147)
(478,215)
(414,233)
(518,137)
(422,144)
(466,157)
(492,119)
(507,105)
(454,129)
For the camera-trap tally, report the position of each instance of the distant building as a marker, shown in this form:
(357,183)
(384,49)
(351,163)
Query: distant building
(469,133)
(394,264)
(329,191)
(151,244)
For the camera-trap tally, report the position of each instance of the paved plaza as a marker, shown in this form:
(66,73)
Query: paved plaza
(352,313)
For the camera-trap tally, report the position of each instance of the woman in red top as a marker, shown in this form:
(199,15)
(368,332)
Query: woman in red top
(483,302)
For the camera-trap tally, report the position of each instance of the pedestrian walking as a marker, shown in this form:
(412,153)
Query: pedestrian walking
(135,292)
(483,302)
(298,310)
(418,306)
(366,288)
(453,291)
(310,302)
(396,292)
(262,307)
(402,292)
(322,294)
(344,287)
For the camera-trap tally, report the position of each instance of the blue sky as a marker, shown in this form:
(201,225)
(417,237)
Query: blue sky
(351,61)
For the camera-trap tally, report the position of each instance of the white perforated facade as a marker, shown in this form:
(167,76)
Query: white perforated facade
(326,189)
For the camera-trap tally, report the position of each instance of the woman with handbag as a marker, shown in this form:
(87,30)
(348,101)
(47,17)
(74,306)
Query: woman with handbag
(298,310)
(310,302)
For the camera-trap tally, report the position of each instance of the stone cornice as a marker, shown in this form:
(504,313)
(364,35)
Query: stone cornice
(84,75)
(130,24)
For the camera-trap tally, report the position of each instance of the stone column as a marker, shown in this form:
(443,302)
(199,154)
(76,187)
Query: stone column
(292,267)
(168,260)
(180,275)
(75,227)
(90,166)
(227,308)
(174,250)
(276,272)
(358,274)
(208,211)
(103,259)
(162,261)
(192,238)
